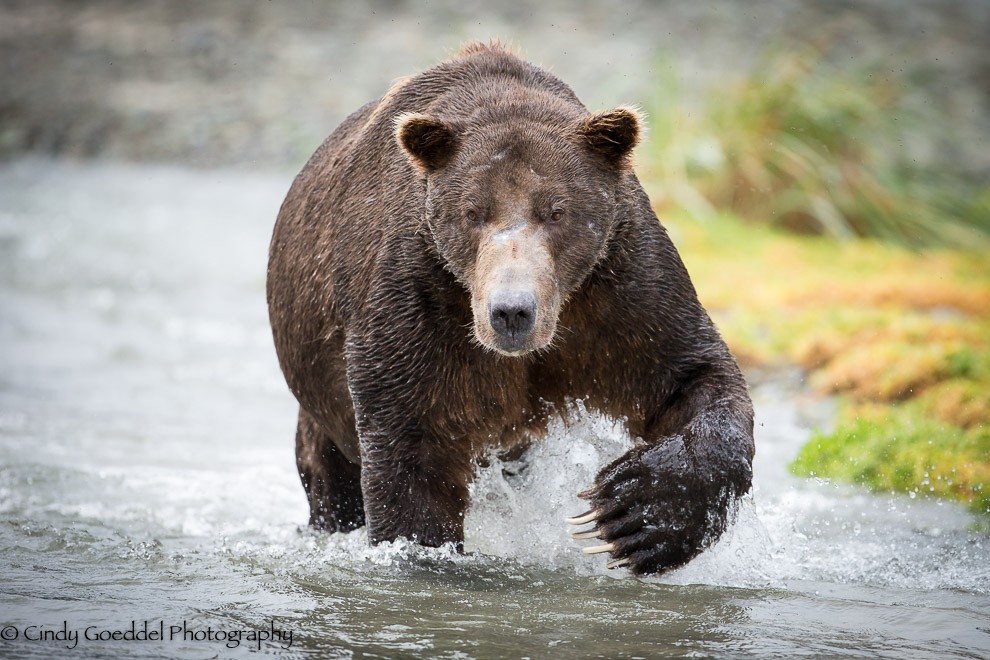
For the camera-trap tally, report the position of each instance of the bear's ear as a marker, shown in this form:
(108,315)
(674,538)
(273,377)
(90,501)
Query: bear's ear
(612,133)
(428,142)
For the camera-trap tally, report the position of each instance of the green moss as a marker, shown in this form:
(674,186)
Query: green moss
(900,449)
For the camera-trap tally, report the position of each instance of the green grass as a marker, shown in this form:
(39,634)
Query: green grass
(902,449)
(802,145)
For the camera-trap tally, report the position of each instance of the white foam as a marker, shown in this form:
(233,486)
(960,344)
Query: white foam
(518,509)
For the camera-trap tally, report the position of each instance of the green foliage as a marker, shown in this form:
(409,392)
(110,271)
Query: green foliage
(808,147)
(901,449)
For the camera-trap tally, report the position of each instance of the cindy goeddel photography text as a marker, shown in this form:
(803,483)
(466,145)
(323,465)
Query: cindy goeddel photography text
(146,631)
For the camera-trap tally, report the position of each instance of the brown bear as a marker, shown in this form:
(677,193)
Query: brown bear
(456,263)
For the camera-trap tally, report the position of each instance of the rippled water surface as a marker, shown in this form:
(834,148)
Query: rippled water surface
(147,476)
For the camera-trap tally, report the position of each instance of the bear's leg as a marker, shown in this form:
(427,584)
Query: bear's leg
(663,502)
(332,483)
(415,491)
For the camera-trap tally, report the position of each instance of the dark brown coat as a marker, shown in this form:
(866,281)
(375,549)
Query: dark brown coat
(460,259)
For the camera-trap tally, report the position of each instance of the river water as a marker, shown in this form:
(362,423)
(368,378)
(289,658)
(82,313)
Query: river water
(147,482)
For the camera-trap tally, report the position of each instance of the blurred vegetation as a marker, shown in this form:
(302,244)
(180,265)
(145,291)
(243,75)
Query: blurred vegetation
(907,451)
(900,336)
(804,145)
(815,238)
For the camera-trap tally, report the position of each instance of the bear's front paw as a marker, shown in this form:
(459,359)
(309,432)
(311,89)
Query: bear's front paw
(657,507)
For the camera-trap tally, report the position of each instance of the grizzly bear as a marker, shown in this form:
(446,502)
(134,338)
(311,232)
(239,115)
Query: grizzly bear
(457,263)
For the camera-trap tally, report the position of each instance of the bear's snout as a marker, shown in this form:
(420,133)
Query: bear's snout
(512,315)
(514,296)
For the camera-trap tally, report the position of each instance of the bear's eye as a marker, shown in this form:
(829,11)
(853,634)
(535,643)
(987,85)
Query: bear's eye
(471,215)
(556,214)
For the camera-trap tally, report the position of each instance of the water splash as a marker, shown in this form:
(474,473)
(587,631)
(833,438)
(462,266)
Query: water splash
(518,508)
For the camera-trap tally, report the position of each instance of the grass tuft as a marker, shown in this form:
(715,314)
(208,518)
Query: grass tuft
(802,145)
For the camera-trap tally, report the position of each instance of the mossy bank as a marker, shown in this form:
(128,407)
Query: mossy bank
(901,337)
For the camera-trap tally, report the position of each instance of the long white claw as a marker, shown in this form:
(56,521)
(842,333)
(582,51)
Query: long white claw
(595,549)
(590,534)
(616,563)
(585,518)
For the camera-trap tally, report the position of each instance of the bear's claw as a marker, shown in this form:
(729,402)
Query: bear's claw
(595,549)
(585,517)
(589,534)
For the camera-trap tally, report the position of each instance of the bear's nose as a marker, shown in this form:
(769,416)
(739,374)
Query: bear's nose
(512,314)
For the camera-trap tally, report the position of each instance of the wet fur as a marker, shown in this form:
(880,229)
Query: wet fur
(371,313)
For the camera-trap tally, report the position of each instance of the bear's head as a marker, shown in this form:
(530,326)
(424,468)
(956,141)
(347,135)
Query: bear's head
(520,210)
